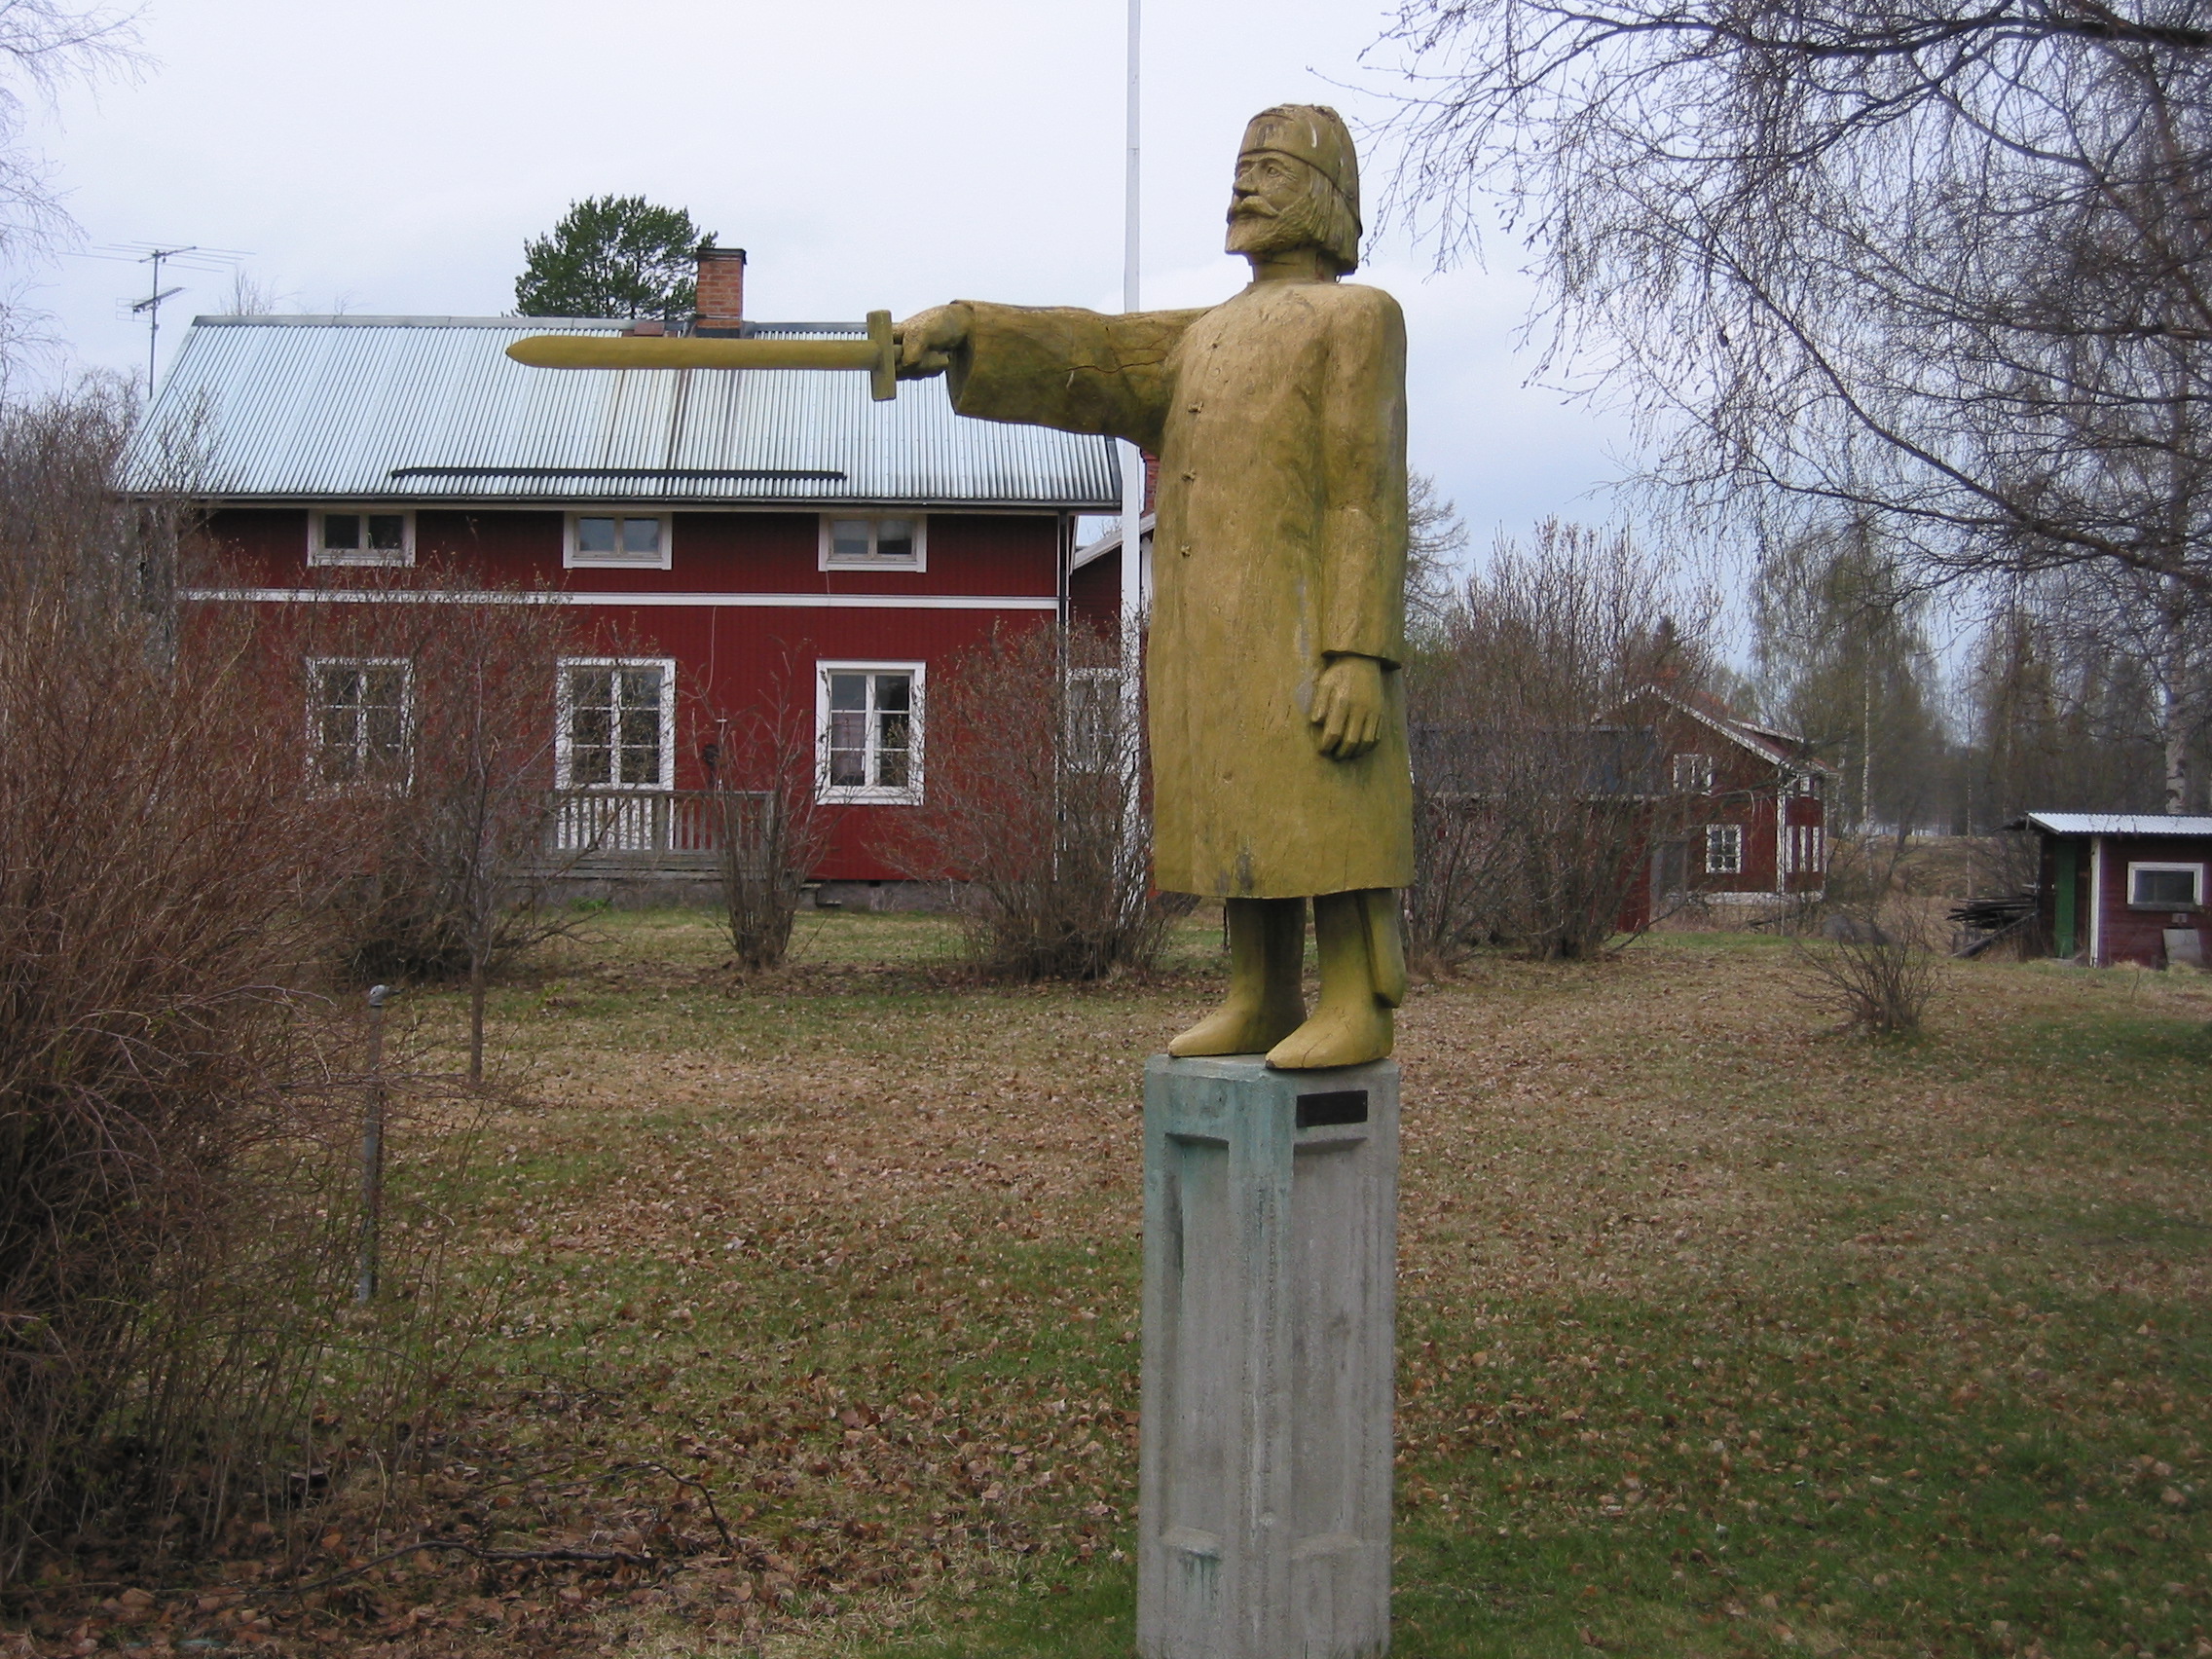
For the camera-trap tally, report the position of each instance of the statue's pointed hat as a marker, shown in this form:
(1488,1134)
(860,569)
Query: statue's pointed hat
(1317,135)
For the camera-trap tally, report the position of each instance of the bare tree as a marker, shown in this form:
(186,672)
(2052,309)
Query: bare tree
(2150,623)
(1945,269)
(250,295)
(1538,784)
(772,824)
(1035,772)
(1436,540)
(44,47)
(443,719)
(1840,645)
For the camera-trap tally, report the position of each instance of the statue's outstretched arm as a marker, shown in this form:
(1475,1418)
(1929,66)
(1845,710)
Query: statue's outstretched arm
(1079,371)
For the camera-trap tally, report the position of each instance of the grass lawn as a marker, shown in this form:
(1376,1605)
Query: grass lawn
(1719,1334)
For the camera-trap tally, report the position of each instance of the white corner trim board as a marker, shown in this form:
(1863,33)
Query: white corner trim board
(462,596)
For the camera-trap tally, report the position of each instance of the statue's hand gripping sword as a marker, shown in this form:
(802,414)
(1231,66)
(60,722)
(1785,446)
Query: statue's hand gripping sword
(878,353)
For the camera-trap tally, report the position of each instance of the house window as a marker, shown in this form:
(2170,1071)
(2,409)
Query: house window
(639,540)
(1095,720)
(617,727)
(360,535)
(1693,774)
(1723,849)
(872,543)
(869,722)
(2166,886)
(360,719)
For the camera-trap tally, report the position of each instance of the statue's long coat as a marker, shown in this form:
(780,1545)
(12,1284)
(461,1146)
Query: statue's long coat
(1279,419)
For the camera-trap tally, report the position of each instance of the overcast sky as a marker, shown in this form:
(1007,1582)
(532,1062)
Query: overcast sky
(390,157)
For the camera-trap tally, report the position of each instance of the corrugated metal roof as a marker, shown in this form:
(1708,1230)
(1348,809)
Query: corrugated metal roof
(428,408)
(2120,823)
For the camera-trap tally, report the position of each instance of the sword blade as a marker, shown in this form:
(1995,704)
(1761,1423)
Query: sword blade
(878,353)
(682,351)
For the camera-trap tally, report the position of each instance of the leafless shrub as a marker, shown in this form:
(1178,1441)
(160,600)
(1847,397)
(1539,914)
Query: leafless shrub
(255,1382)
(169,1096)
(1867,957)
(1035,770)
(772,824)
(153,877)
(440,724)
(1537,791)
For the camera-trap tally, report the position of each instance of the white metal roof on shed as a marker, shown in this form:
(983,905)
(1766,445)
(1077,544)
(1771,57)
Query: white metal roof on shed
(2120,823)
(427,409)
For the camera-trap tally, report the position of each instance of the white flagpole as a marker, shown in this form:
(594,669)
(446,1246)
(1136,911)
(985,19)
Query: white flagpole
(1132,460)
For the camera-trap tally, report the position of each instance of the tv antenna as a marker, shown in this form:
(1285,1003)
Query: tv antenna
(180,258)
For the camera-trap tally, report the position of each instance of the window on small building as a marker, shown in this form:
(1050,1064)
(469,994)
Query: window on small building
(1693,774)
(361,536)
(618,726)
(881,542)
(637,539)
(360,719)
(2166,886)
(870,725)
(1723,849)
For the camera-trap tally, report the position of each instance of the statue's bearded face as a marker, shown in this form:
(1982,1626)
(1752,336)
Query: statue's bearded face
(1278,204)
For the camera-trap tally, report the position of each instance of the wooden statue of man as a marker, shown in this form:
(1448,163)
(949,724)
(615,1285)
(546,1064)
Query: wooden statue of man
(1278,722)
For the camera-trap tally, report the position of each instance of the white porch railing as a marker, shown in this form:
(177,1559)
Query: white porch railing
(631,828)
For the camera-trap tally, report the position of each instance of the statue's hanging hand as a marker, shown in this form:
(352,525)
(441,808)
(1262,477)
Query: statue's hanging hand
(1347,706)
(928,341)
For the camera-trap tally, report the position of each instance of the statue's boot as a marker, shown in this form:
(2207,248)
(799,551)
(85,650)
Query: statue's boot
(1363,977)
(1267,957)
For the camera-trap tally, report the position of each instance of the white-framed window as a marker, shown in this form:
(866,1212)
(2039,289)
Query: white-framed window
(2166,886)
(1723,849)
(875,541)
(361,721)
(617,724)
(1095,720)
(360,536)
(1693,774)
(637,540)
(868,720)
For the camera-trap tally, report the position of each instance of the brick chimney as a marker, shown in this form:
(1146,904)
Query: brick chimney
(721,305)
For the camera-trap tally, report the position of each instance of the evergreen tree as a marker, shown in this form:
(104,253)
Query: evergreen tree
(2063,714)
(612,256)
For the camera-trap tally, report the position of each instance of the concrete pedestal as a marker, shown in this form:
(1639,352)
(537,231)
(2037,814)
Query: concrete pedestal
(1271,1203)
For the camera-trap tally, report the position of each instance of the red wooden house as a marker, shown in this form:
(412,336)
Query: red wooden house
(1756,826)
(722,524)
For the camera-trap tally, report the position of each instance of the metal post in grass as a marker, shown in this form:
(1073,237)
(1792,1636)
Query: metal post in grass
(372,1152)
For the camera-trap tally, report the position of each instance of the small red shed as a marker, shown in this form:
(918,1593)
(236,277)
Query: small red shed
(2116,887)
